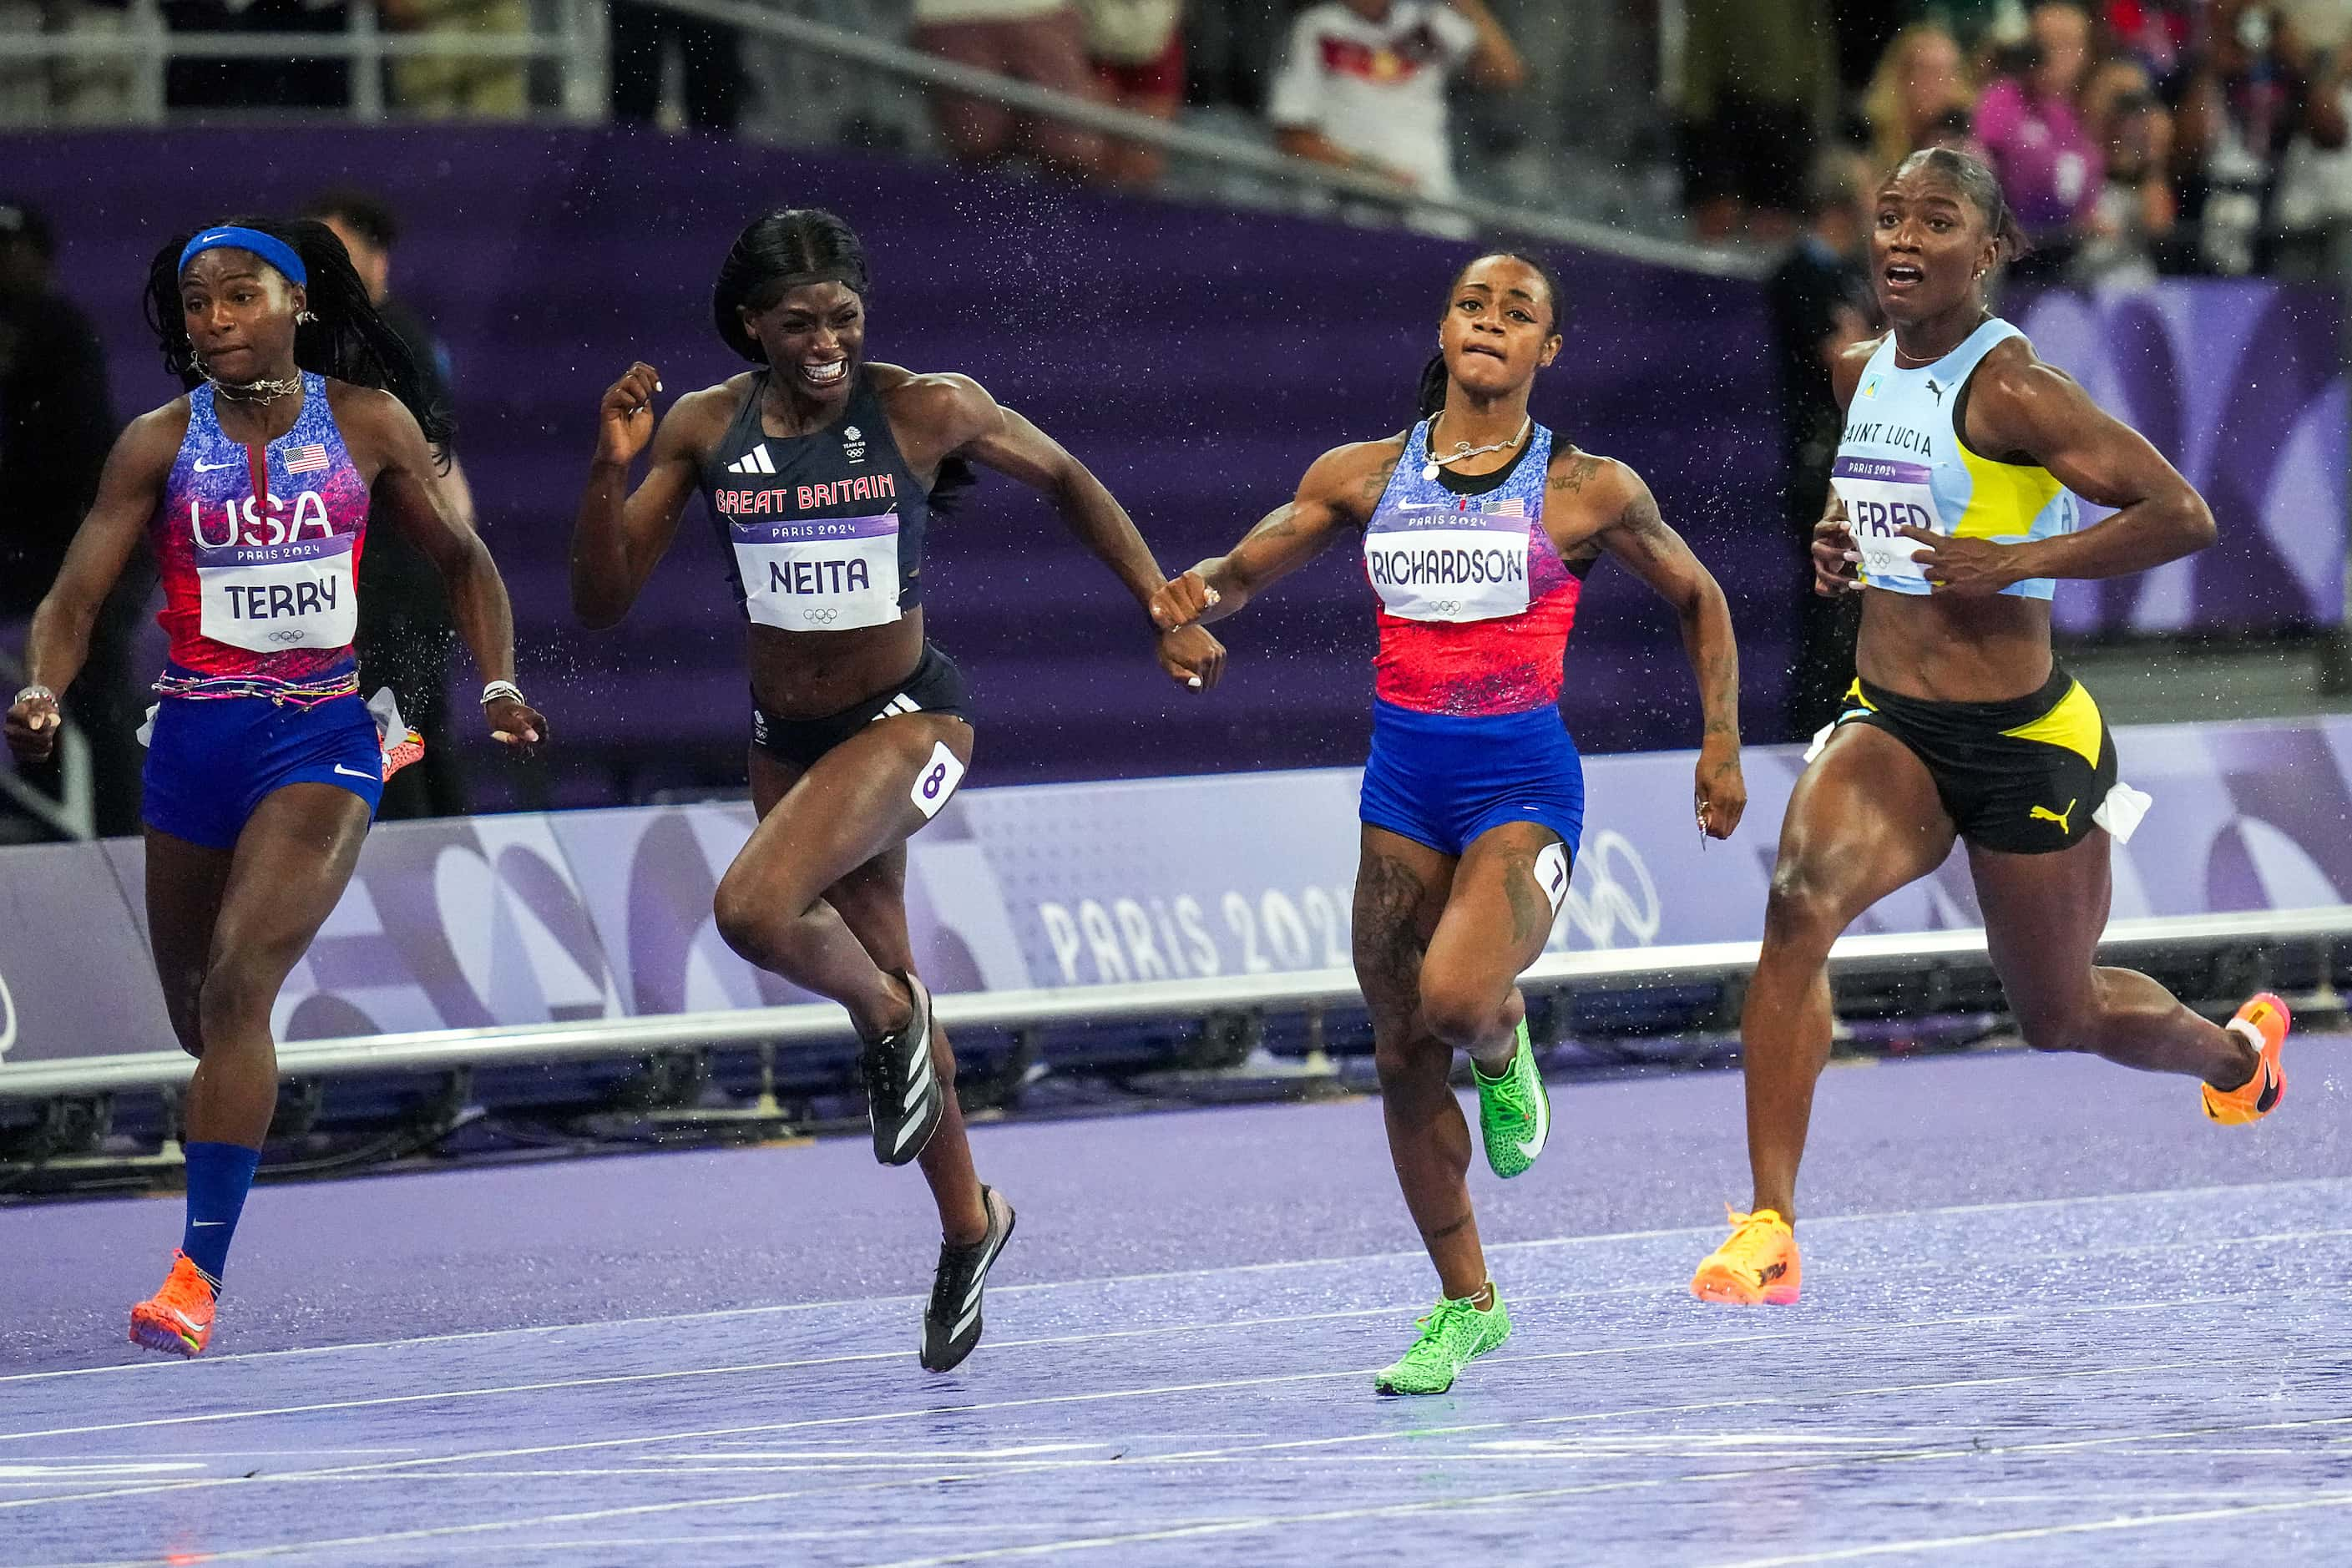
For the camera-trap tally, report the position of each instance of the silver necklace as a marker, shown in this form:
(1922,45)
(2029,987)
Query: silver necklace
(252,391)
(1464,451)
(1917,362)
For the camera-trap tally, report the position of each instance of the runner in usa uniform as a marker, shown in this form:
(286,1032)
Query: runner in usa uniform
(1477,531)
(821,471)
(1952,506)
(303,418)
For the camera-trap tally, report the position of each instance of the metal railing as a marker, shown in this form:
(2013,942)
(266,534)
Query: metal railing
(574,45)
(823,1025)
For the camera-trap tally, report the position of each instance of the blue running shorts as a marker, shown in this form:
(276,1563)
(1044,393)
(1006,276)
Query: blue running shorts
(211,760)
(1443,779)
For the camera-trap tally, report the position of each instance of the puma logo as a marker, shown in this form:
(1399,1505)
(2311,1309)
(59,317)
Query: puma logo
(1937,390)
(2043,813)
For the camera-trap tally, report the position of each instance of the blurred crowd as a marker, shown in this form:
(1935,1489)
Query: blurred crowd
(2134,137)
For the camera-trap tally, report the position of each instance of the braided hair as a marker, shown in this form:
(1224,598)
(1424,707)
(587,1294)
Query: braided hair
(1429,398)
(348,341)
(790,248)
(775,253)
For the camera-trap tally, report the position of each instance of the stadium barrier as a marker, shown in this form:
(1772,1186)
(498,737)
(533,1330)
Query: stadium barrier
(532,938)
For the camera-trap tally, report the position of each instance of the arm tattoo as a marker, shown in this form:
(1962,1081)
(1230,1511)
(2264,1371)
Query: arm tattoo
(1570,479)
(1376,484)
(1640,520)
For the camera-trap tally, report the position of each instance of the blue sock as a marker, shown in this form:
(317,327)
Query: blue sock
(219,1174)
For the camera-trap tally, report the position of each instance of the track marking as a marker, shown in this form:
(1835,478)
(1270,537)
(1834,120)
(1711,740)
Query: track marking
(1876,1327)
(2042,1532)
(1825,1222)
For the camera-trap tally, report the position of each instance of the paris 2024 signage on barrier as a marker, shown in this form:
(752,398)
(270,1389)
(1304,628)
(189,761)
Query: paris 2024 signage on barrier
(531,917)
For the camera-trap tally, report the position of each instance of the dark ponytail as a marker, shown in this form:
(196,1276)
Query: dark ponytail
(348,341)
(1429,398)
(774,253)
(1976,182)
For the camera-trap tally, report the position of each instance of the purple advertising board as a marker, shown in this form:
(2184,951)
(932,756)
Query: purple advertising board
(533,918)
(1197,358)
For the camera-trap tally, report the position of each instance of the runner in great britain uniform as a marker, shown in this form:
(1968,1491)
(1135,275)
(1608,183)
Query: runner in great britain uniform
(1953,504)
(1478,529)
(264,765)
(821,471)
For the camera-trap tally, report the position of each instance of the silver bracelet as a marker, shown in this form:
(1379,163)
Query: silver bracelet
(497,689)
(31,692)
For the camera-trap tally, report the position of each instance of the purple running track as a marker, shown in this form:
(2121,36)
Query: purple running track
(2051,1316)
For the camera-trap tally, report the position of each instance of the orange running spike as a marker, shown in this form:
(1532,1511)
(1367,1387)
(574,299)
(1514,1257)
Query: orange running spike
(178,1318)
(2263,1021)
(1758,1266)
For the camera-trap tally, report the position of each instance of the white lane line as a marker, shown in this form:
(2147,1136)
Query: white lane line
(644,1440)
(2044,1533)
(1873,1217)
(801,1363)
(1801,1330)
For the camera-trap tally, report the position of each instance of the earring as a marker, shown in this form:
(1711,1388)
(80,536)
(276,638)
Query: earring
(304,318)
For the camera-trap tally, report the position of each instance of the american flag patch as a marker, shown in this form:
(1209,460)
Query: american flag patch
(1512,507)
(309,460)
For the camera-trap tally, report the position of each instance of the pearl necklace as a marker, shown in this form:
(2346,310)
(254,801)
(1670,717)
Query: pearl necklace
(1464,451)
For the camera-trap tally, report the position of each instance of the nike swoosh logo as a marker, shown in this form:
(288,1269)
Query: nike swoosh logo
(205,467)
(355,773)
(187,1320)
(199,1224)
(1531,1147)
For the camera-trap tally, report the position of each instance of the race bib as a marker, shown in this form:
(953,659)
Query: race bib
(820,573)
(1432,562)
(266,598)
(1882,495)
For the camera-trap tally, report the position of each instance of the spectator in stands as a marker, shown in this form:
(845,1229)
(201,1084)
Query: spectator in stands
(1138,50)
(1760,82)
(2261,86)
(458,83)
(2159,35)
(2047,163)
(2312,217)
(405,633)
(2136,209)
(1821,304)
(710,54)
(1362,85)
(1917,85)
(57,424)
(257,81)
(1043,42)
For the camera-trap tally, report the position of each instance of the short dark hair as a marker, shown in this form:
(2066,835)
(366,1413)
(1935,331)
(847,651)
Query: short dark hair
(1978,185)
(364,213)
(27,225)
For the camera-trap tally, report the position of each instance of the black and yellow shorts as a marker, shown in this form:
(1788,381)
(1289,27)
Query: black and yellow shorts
(2028,776)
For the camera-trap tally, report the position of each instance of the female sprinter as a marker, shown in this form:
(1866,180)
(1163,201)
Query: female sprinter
(303,420)
(820,468)
(1477,530)
(1952,499)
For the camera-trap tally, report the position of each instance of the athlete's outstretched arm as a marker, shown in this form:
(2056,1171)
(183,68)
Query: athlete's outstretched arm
(1654,552)
(618,538)
(129,489)
(407,491)
(1338,491)
(2025,409)
(1000,437)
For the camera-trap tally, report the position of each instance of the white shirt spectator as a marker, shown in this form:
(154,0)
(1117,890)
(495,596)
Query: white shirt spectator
(1377,88)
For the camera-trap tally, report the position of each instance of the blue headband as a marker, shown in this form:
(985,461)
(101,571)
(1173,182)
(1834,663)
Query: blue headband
(275,251)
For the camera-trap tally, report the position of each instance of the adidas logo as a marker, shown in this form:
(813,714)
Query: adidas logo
(755,461)
(902,703)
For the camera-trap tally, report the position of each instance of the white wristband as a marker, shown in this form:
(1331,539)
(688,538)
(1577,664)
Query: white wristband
(497,689)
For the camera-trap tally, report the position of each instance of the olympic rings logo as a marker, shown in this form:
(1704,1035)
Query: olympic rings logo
(1612,889)
(1445,606)
(823,618)
(286,638)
